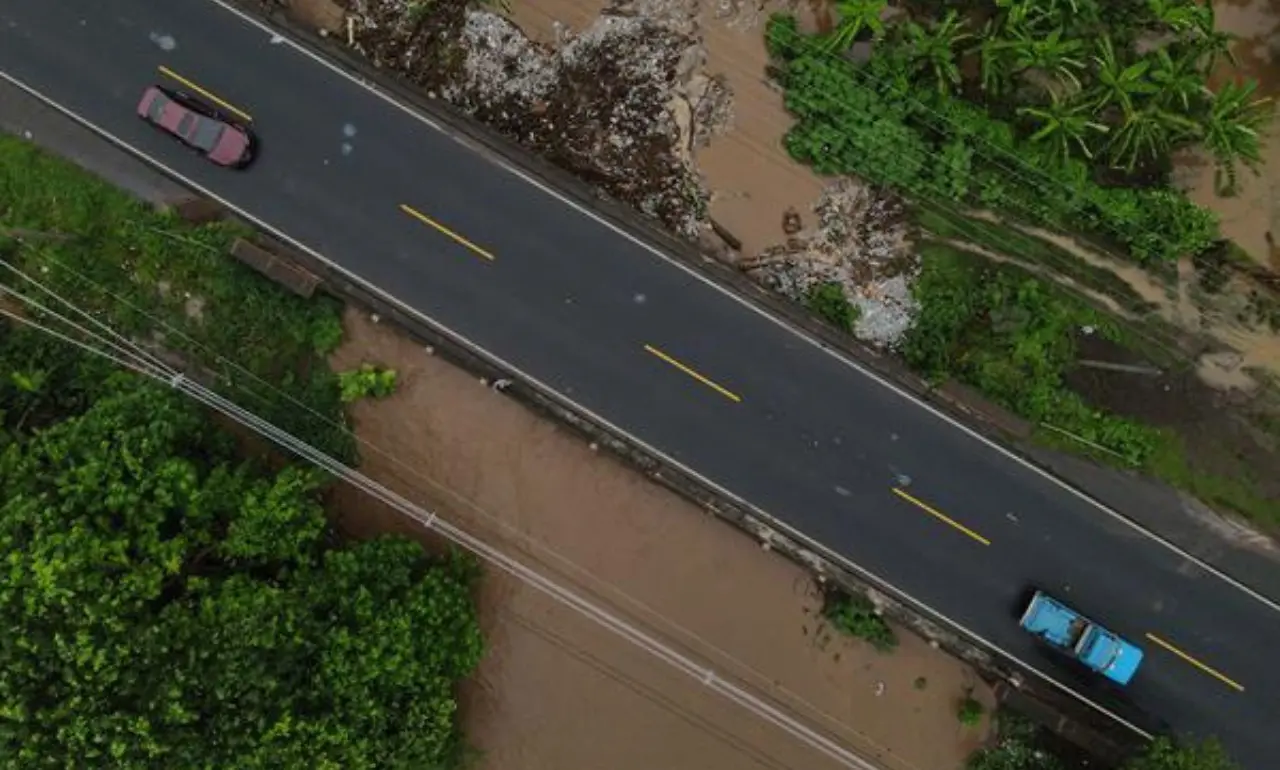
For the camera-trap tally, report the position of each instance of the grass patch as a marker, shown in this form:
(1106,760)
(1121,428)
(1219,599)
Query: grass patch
(159,279)
(970,711)
(828,300)
(1001,330)
(856,616)
(1009,334)
(1238,493)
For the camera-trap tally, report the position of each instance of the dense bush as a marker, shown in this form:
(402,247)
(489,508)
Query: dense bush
(828,300)
(877,122)
(166,607)
(369,380)
(856,616)
(1011,335)
(154,277)
(970,711)
(1021,745)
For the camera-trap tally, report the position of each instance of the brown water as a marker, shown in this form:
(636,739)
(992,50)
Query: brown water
(1254,211)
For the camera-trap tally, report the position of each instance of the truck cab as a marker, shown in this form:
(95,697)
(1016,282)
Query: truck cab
(1068,631)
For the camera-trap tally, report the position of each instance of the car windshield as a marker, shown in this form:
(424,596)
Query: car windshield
(207,135)
(155,110)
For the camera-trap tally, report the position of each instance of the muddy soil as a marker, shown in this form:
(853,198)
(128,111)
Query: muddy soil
(1234,432)
(555,691)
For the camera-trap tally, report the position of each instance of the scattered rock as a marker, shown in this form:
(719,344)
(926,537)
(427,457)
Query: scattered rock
(791,222)
(712,102)
(862,241)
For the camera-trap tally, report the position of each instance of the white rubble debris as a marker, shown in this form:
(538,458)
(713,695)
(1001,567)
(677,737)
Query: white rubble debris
(623,102)
(501,63)
(862,242)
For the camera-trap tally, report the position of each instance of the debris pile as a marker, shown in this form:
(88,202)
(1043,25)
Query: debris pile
(418,39)
(862,241)
(620,105)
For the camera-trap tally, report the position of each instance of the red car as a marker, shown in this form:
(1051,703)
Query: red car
(198,126)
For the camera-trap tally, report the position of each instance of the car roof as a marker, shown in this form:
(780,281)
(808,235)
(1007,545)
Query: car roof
(208,132)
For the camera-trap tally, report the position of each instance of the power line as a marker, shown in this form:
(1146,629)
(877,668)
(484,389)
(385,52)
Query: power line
(508,530)
(962,223)
(139,360)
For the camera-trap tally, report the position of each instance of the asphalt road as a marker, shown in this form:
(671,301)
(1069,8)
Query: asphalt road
(662,354)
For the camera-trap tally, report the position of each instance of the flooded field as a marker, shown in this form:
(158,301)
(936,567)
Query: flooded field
(1252,217)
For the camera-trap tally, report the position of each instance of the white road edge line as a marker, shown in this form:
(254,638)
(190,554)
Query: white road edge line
(550,392)
(371,88)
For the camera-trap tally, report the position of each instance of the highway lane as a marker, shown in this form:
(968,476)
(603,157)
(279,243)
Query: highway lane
(811,440)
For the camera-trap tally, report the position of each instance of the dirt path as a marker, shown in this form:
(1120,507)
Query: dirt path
(557,691)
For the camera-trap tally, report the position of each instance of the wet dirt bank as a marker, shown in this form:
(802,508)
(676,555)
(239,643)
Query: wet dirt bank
(556,691)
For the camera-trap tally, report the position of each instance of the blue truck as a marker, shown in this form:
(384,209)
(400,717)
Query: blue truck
(1070,632)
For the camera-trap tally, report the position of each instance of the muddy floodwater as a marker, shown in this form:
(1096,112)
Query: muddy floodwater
(1255,209)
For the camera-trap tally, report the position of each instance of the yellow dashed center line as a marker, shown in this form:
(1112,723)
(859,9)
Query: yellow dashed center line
(704,380)
(1213,672)
(940,516)
(226,105)
(426,220)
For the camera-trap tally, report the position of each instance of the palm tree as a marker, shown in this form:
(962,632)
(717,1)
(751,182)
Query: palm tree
(1064,124)
(1146,134)
(1232,130)
(1118,84)
(855,16)
(932,49)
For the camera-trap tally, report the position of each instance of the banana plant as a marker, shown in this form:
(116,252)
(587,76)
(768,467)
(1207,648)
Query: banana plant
(1181,16)
(1119,84)
(1052,53)
(995,57)
(1147,134)
(932,49)
(1232,130)
(1177,79)
(855,16)
(1064,125)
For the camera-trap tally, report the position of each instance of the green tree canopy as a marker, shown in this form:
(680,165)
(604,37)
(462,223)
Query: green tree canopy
(166,607)
(1164,754)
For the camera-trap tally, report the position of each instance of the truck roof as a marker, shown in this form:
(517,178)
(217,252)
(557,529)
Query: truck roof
(1055,622)
(1096,647)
